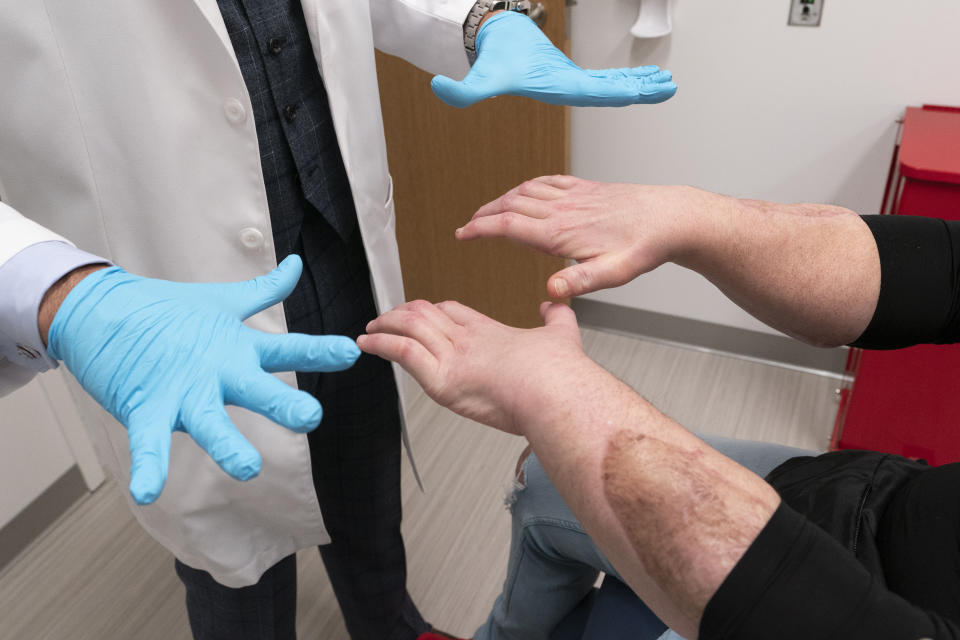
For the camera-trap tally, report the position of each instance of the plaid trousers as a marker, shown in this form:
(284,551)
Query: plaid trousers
(355,451)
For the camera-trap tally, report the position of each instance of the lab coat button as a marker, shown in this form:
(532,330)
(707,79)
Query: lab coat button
(251,238)
(234,111)
(27,352)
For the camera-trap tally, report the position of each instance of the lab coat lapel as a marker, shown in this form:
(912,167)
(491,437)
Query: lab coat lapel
(211,11)
(319,25)
(338,34)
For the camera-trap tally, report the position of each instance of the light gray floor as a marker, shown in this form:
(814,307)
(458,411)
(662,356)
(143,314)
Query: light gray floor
(96,575)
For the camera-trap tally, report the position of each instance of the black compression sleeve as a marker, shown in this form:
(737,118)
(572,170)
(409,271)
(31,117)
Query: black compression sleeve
(796,582)
(919,299)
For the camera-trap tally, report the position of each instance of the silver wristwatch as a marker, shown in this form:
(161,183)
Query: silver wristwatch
(483,7)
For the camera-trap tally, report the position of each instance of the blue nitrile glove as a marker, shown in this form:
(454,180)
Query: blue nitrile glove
(163,356)
(515,58)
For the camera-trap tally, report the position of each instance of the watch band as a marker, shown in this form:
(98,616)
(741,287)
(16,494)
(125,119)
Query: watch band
(479,10)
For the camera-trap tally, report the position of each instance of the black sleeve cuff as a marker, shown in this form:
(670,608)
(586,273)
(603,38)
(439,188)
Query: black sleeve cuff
(919,293)
(796,582)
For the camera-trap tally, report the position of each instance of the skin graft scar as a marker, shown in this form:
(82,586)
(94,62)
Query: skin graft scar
(675,510)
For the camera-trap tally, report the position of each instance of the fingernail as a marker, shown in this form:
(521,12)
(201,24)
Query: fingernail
(561,287)
(458,232)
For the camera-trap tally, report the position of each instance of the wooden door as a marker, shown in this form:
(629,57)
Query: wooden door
(446,163)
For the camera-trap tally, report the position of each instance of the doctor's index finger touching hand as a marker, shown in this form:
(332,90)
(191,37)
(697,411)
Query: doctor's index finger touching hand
(164,356)
(615,232)
(514,57)
(476,366)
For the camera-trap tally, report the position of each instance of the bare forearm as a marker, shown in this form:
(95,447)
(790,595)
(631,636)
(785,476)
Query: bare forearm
(673,515)
(811,271)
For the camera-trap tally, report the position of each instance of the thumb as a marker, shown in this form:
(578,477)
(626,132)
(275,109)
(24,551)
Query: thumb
(253,296)
(560,316)
(457,94)
(585,277)
(556,314)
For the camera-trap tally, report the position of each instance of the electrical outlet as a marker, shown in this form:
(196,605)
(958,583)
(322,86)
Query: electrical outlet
(805,13)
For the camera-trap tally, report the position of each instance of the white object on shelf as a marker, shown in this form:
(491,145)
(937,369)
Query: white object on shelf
(655,19)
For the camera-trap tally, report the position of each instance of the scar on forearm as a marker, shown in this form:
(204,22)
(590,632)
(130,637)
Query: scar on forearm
(675,510)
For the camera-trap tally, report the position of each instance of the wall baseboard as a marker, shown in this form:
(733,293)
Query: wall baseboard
(707,335)
(27,526)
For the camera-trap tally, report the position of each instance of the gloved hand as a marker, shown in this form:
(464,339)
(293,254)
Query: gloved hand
(163,356)
(515,58)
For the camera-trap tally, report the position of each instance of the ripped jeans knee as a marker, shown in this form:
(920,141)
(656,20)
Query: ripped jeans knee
(519,483)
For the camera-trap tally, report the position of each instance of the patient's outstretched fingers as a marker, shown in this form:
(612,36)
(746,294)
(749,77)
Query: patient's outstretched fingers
(461,313)
(407,352)
(491,208)
(523,200)
(560,181)
(514,226)
(540,190)
(543,188)
(411,321)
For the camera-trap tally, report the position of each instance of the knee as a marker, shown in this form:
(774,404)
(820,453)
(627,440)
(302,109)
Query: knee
(527,496)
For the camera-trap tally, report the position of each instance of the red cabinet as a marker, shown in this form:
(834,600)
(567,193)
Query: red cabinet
(908,401)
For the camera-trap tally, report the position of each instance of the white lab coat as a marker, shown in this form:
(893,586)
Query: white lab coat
(126,128)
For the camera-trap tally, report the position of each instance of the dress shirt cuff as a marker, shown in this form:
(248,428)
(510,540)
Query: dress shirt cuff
(24,279)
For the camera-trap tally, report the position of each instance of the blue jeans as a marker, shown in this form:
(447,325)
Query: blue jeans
(554,564)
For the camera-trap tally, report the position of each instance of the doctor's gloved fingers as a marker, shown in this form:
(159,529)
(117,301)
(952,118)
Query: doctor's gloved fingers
(585,277)
(651,73)
(253,296)
(301,352)
(407,352)
(149,456)
(272,398)
(619,91)
(517,227)
(461,94)
(211,428)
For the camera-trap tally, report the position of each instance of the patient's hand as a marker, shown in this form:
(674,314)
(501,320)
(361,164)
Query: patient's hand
(477,367)
(615,231)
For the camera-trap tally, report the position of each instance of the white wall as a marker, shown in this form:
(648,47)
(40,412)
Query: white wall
(34,452)
(764,110)
(42,436)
